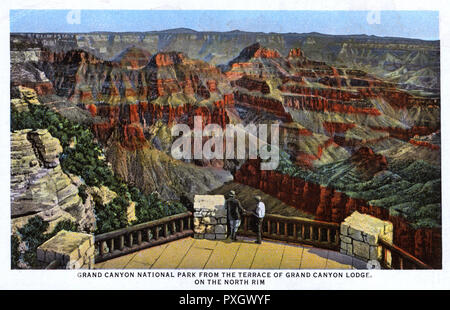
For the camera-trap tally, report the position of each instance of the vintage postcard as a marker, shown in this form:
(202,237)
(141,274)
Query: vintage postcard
(224,146)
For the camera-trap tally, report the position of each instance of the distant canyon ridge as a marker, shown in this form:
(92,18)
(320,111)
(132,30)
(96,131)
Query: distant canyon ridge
(411,63)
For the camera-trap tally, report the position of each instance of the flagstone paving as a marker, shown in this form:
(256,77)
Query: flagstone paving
(190,253)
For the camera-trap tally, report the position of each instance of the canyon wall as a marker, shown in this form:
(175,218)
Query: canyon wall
(263,104)
(322,104)
(132,119)
(407,134)
(327,204)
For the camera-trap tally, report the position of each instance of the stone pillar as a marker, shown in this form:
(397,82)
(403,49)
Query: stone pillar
(360,234)
(72,250)
(210,217)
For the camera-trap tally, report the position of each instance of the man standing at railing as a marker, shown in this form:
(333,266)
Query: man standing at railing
(260,212)
(234,213)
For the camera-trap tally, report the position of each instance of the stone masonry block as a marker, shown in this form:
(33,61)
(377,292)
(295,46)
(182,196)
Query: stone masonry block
(91,263)
(349,249)
(209,220)
(361,249)
(220,229)
(370,239)
(210,236)
(90,251)
(207,213)
(344,246)
(76,264)
(345,239)
(221,236)
(374,253)
(200,229)
(83,248)
(355,234)
(87,259)
(344,228)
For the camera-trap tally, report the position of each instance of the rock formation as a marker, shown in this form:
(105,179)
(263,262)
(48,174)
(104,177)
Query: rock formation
(153,170)
(39,187)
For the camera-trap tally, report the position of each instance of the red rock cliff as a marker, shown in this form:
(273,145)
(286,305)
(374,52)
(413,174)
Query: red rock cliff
(327,204)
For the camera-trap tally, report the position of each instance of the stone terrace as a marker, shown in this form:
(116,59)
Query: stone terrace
(190,253)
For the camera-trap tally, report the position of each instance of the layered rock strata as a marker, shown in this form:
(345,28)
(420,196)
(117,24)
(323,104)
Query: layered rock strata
(39,187)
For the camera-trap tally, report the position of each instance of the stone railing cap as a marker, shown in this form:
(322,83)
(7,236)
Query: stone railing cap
(367,223)
(209,202)
(65,242)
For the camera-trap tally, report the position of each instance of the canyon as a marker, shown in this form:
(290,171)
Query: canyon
(351,131)
(389,57)
(330,205)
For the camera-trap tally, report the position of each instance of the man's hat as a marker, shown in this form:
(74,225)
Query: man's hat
(258,198)
(232,193)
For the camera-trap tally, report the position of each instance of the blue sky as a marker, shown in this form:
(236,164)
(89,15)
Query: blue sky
(408,24)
